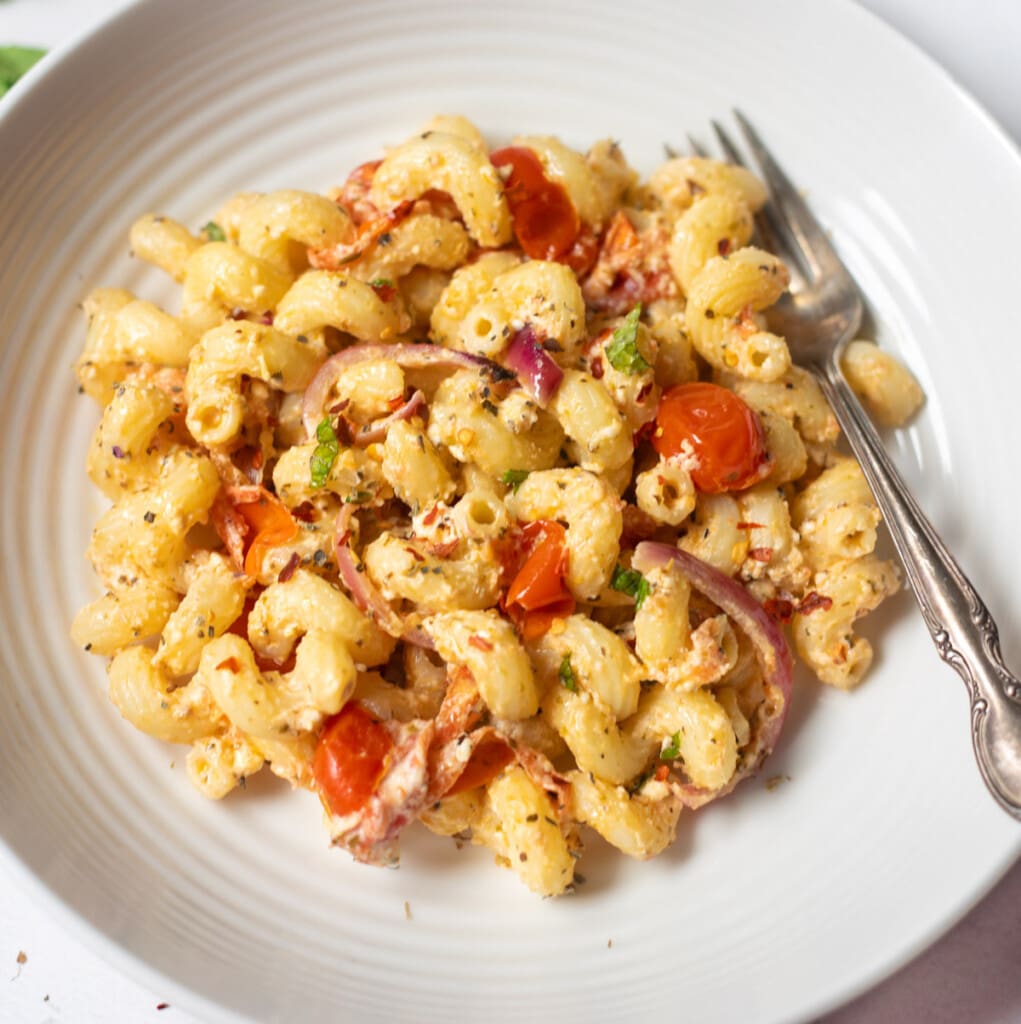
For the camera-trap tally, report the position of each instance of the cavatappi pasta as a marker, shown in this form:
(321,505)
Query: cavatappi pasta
(476,492)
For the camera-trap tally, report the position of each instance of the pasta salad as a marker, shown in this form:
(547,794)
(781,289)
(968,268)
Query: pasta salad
(476,492)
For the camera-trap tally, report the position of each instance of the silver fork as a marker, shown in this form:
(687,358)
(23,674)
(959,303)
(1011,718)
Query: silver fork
(820,314)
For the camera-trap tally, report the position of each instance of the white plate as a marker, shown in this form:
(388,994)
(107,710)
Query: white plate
(773,904)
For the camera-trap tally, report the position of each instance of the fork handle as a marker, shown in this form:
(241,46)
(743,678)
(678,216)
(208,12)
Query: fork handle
(959,622)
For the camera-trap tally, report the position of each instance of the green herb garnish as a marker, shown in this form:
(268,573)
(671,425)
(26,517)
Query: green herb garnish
(566,674)
(358,498)
(213,232)
(325,454)
(514,478)
(622,349)
(14,62)
(632,583)
(673,750)
(381,282)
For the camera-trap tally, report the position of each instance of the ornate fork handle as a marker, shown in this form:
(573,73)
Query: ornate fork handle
(960,624)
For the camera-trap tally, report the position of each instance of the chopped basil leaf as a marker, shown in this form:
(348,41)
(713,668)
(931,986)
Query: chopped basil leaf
(381,282)
(213,232)
(14,62)
(673,750)
(567,674)
(514,478)
(325,454)
(632,583)
(622,349)
(358,498)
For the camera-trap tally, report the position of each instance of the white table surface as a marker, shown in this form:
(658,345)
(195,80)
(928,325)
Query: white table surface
(973,974)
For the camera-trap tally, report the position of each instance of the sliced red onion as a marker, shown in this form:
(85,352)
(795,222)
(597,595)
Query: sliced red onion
(539,374)
(771,650)
(410,357)
(363,590)
(374,432)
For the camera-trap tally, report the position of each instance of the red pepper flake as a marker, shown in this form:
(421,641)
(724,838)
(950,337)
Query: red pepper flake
(597,368)
(305,512)
(385,290)
(22,957)
(163,1006)
(444,550)
(288,570)
(750,526)
(812,602)
(430,517)
(417,556)
(761,554)
(661,773)
(644,393)
(480,642)
(723,246)
(230,664)
(779,608)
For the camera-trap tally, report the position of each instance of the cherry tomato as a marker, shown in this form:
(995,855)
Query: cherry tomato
(582,255)
(537,623)
(354,195)
(725,436)
(488,759)
(545,220)
(537,594)
(350,759)
(269,524)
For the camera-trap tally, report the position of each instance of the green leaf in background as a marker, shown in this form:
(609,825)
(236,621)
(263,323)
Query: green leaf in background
(14,62)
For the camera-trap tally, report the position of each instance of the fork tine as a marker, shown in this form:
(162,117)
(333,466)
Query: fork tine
(769,227)
(697,149)
(798,222)
(728,147)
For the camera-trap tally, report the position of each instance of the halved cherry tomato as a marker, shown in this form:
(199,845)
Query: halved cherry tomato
(350,759)
(354,194)
(724,433)
(539,581)
(269,524)
(537,594)
(488,759)
(545,220)
(582,255)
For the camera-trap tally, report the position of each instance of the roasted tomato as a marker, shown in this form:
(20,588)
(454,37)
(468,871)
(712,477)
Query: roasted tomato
(724,435)
(537,594)
(350,758)
(488,759)
(545,220)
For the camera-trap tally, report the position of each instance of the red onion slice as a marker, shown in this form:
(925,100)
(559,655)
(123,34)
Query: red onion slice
(373,432)
(771,650)
(363,590)
(539,374)
(410,357)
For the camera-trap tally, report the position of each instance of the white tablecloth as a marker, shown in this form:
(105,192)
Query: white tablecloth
(972,975)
